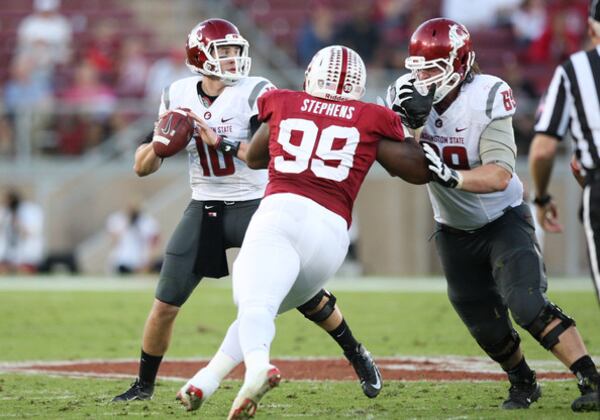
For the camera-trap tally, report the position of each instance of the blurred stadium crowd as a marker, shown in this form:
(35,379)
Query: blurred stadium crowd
(94,65)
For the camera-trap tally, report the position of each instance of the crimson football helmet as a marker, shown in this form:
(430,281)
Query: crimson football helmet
(203,55)
(444,45)
(336,73)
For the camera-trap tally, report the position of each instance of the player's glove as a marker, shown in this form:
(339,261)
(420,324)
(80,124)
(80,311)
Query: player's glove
(442,174)
(413,107)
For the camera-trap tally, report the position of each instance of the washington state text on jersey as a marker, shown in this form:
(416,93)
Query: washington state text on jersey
(442,139)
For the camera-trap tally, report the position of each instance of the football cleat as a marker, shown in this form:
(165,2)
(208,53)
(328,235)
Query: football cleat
(590,396)
(138,391)
(245,404)
(191,398)
(366,369)
(522,395)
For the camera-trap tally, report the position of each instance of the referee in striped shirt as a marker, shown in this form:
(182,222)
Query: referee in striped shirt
(572,104)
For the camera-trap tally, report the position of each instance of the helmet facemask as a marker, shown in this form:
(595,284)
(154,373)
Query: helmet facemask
(215,66)
(447,78)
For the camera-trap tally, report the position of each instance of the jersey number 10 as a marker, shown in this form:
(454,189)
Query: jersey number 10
(228,167)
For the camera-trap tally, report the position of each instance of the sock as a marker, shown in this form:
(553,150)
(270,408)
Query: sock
(521,373)
(584,368)
(255,361)
(256,329)
(343,336)
(149,367)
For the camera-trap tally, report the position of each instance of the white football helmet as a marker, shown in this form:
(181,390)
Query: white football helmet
(336,73)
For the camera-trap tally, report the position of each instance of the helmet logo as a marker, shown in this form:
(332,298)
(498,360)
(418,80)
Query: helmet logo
(195,38)
(457,39)
(200,32)
(347,88)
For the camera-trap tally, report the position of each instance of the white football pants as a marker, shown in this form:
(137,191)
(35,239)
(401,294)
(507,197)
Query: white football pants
(292,247)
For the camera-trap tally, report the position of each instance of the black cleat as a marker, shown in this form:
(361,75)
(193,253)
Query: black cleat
(590,396)
(522,395)
(139,391)
(366,369)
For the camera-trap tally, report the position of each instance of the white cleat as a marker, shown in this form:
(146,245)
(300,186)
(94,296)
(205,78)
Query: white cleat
(191,397)
(245,404)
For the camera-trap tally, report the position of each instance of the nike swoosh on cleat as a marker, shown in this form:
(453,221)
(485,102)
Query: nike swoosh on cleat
(208,207)
(377,385)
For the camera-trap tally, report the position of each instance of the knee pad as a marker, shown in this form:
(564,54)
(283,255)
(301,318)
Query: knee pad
(309,308)
(504,349)
(549,313)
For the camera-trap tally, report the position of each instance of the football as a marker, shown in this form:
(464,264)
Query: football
(172,133)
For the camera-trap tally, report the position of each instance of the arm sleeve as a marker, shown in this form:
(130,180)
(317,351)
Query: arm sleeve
(554,109)
(148,138)
(254,124)
(497,144)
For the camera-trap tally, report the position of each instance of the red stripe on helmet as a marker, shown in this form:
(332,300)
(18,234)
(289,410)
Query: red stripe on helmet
(342,80)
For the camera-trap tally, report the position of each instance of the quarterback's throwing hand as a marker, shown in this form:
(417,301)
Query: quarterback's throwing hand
(442,174)
(413,107)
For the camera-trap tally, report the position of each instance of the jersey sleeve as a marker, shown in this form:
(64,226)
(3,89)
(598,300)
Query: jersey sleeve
(264,106)
(555,107)
(389,124)
(500,102)
(165,100)
(260,88)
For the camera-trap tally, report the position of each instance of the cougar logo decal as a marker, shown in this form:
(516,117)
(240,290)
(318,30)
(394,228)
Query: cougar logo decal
(457,36)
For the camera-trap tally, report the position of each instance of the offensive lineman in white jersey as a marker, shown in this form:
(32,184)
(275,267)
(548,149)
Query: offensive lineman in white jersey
(485,234)
(225,195)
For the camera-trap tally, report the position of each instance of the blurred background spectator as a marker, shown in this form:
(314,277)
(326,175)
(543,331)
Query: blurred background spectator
(135,241)
(45,35)
(21,235)
(163,72)
(316,33)
(359,32)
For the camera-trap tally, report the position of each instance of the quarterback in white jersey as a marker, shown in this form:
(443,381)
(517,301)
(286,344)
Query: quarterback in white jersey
(485,234)
(225,195)
(214,175)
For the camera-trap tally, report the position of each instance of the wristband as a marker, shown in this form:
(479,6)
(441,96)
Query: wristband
(543,200)
(226,146)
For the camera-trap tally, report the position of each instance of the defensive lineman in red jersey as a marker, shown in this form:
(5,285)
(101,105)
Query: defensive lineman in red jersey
(318,146)
(322,149)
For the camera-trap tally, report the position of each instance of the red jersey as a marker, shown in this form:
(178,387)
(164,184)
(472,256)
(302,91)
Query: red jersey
(323,149)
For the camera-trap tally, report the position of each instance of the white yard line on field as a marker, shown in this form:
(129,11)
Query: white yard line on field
(359,284)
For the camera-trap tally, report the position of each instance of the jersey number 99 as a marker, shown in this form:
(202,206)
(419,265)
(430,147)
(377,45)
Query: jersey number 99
(333,155)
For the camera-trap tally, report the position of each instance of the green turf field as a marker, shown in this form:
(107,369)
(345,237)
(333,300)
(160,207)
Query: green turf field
(50,320)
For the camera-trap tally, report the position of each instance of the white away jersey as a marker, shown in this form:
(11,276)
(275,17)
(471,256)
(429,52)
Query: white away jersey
(455,136)
(213,175)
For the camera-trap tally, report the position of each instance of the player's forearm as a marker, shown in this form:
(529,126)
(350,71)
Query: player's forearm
(485,179)
(242,152)
(146,161)
(541,160)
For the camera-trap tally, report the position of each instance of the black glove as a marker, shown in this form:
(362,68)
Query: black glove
(442,173)
(413,107)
